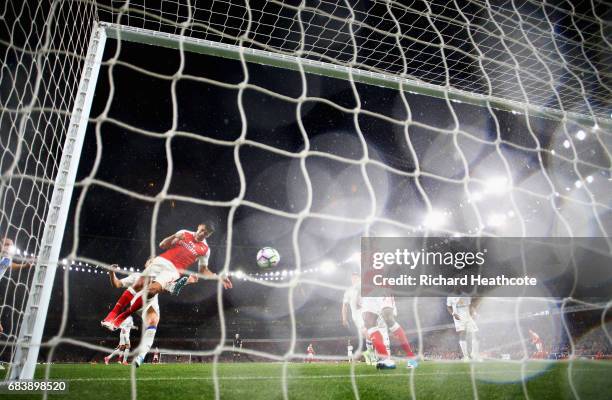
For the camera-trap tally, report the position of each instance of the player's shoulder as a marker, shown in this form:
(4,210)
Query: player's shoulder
(186,232)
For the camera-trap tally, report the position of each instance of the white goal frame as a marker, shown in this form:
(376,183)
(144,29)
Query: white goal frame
(388,80)
(30,337)
(25,356)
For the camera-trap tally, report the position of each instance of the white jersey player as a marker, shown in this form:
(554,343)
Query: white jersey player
(349,351)
(6,261)
(124,341)
(6,257)
(461,309)
(351,303)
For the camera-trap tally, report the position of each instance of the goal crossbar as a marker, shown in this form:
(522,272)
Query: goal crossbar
(344,72)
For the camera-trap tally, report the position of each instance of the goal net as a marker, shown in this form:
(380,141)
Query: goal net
(300,125)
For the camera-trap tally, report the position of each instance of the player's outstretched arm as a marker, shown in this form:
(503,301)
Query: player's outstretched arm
(203,269)
(115,282)
(170,240)
(26,264)
(450,311)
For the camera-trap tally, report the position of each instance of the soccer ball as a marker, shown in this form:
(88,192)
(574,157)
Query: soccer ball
(267,257)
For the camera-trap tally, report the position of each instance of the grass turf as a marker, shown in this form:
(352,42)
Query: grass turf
(250,381)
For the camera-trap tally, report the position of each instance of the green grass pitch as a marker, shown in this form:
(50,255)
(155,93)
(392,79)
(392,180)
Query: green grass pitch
(250,381)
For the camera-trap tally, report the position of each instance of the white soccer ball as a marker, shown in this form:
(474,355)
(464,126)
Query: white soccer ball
(267,257)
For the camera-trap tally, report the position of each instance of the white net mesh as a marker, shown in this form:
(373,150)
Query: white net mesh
(387,162)
(42,55)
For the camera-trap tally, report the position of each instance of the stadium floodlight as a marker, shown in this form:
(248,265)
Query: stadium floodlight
(475,197)
(327,266)
(496,220)
(578,184)
(566,144)
(434,219)
(581,135)
(239,274)
(589,179)
(497,185)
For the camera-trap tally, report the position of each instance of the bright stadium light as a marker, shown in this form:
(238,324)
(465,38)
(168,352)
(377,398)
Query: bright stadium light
(581,135)
(475,197)
(578,184)
(589,179)
(239,274)
(434,219)
(327,266)
(566,144)
(497,185)
(496,220)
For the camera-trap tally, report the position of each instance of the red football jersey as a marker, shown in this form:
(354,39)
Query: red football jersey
(186,251)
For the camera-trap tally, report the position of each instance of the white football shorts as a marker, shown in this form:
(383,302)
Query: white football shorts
(466,324)
(124,338)
(377,304)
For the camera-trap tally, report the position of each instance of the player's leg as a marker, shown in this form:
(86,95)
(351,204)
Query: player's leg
(151,291)
(375,334)
(125,342)
(463,342)
(472,331)
(126,353)
(368,354)
(151,320)
(112,354)
(164,273)
(134,284)
(399,335)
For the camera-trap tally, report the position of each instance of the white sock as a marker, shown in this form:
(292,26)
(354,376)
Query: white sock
(369,346)
(147,340)
(114,353)
(463,345)
(125,354)
(475,354)
(385,334)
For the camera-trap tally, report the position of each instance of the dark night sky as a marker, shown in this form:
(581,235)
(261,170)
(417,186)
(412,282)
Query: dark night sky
(115,228)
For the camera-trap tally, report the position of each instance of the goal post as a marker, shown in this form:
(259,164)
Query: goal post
(25,356)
